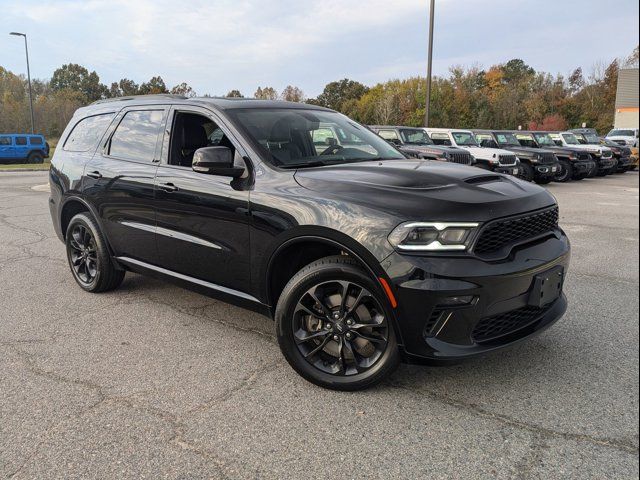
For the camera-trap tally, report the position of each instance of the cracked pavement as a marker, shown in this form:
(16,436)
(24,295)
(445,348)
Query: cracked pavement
(154,381)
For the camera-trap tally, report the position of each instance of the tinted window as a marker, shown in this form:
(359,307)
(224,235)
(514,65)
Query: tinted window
(21,140)
(415,137)
(136,135)
(87,133)
(5,140)
(36,141)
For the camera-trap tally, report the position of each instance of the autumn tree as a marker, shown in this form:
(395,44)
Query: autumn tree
(183,89)
(234,94)
(155,85)
(266,93)
(292,94)
(336,94)
(76,78)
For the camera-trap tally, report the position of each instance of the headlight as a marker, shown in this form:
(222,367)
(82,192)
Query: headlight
(432,237)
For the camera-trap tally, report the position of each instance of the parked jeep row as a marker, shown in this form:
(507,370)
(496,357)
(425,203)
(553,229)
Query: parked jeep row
(535,156)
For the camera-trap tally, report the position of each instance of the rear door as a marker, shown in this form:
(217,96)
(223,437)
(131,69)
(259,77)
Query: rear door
(7,151)
(21,149)
(119,181)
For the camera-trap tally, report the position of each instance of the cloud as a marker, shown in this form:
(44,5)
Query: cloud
(216,45)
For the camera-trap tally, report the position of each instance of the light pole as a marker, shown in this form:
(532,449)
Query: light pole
(26,51)
(428,101)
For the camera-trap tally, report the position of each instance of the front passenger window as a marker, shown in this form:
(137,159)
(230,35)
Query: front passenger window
(191,131)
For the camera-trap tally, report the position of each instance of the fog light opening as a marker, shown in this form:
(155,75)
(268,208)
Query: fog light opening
(456,301)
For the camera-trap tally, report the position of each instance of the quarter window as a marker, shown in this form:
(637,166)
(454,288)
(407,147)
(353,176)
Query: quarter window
(136,136)
(87,133)
(5,140)
(35,140)
(21,140)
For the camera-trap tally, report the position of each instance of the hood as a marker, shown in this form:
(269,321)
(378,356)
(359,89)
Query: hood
(591,148)
(426,190)
(487,153)
(437,149)
(527,151)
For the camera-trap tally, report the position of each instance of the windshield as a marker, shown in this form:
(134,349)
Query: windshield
(297,138)
(507,140)
(621,133)
(570,138)
(544,139)
(415,136)
(465,138)
(592,138)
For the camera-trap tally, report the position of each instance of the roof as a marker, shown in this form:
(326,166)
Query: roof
(221,103)
(395,126)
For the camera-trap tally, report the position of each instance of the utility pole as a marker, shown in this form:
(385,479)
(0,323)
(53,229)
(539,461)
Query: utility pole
(428,100)
(26,51)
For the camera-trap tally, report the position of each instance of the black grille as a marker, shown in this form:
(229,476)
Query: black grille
(463,158)
(607,154)
(490,328)
(507,159)
(548,158)
(505,232)
(584,156)
(626,152)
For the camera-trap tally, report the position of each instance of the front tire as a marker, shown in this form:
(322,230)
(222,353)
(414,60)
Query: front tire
(527,172)
(89,257)
(334,326)
(566,172)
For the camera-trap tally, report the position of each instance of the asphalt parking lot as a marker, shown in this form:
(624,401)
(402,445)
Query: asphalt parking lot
(158,382)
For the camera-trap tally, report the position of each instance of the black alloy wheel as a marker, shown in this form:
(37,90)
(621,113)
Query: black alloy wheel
(89,257)
(333,328)
(83,256)
(339,328)
(35,157)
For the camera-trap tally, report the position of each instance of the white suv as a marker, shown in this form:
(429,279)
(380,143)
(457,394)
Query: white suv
(494,159)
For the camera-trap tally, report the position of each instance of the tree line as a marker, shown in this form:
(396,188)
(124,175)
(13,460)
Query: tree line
(503,96)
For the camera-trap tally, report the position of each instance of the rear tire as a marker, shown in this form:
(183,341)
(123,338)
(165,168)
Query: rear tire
(89,257)
(334,326)
(566,172)
(35,157)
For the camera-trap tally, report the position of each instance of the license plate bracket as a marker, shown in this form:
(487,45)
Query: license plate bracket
(547,287)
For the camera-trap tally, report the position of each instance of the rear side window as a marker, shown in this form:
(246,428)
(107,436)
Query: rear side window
(388,134)
(21,140)
(5,140)
(36,141)
(137,135)
(87,133)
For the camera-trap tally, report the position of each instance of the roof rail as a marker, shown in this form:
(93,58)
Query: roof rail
(132,97)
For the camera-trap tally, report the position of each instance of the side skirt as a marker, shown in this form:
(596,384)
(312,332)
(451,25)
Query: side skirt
(203,287)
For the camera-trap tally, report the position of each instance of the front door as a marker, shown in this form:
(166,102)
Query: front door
(202,220)
(119,181)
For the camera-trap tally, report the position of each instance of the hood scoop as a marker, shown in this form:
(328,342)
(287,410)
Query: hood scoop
(483,179)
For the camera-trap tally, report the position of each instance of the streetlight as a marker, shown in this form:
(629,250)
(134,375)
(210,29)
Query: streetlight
(26,50)
(428,102)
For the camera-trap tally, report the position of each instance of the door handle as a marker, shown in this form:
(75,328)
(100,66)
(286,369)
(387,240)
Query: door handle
(95,174)
(168,187)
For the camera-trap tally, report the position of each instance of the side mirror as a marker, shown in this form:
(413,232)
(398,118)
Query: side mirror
(330,141)
(215,161)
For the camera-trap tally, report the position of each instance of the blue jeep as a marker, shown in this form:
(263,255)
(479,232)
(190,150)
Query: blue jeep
(23,148)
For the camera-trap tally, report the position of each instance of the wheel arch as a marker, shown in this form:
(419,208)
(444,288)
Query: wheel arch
(308,247)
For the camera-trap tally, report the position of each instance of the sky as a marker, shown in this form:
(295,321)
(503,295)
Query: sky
(219,45)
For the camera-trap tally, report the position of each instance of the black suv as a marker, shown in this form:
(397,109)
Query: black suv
(416,144)
(537,165)
(362,256)
(575,164)
(621,153)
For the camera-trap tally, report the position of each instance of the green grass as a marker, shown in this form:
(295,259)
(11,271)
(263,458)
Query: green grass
(25,166)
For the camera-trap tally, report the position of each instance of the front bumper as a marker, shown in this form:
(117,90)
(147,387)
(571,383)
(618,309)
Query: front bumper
(624,163)
(605,165)
(431,329)
(507,170)
(582,168)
